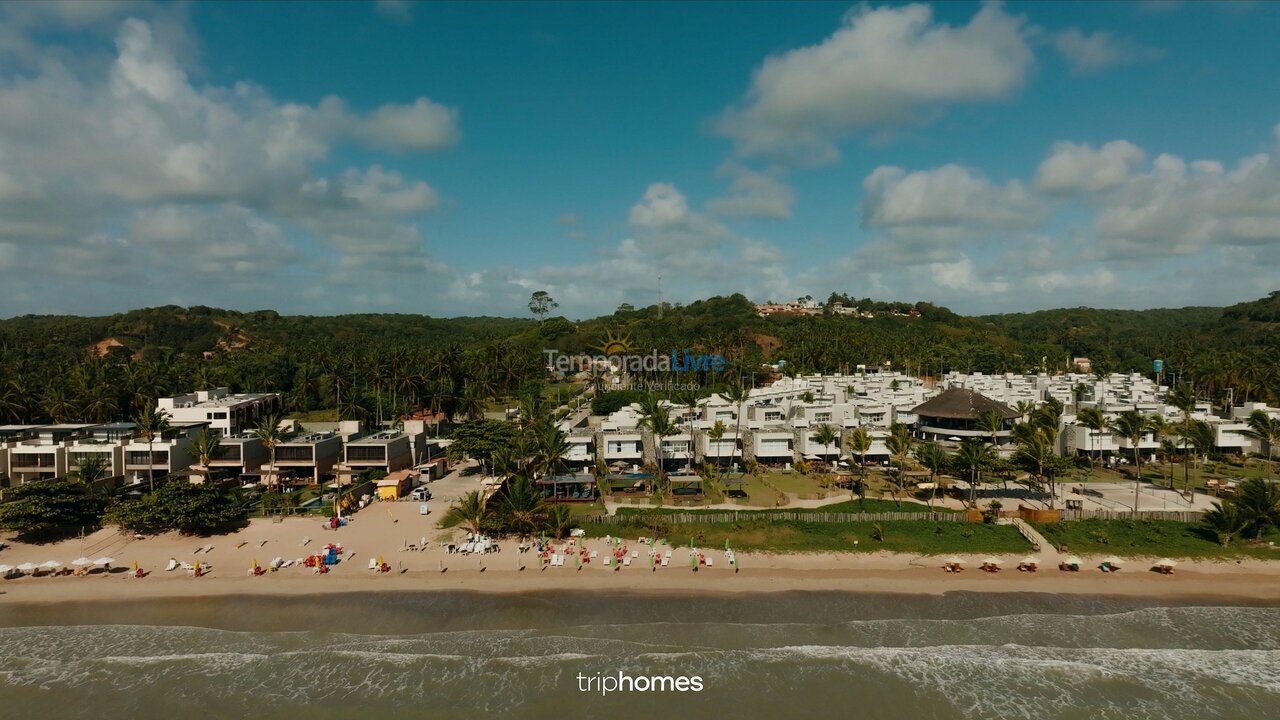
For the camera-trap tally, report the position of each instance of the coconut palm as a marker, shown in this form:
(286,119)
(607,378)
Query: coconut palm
(1132,426)
(991,421)
(656,417)
(826,436)
(521,508)
(269,434)
(91,469)
(1266,430)
(935,459)
(1025,408)
(715,434)
(738,394)
(972,456)
(152,421)
(469,513)
(1092,419)
(1160,430)
(860,445)
(899,444)
(1200,436)
(1259,503)
(1167,451)
(690,401)
(205,446)
(1226,520)
(1184,398)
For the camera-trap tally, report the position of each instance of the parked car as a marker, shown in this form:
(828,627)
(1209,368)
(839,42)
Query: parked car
(420,494)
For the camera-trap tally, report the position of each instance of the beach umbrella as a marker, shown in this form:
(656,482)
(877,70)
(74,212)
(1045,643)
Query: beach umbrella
(953,560)
(6,569)
(82,562)
(134,566)
(51,565)
(196,567)
(27,567)
(104,561)
(1113,560)
(1030,560)
(1072,560)
(1165,562)
(991,561)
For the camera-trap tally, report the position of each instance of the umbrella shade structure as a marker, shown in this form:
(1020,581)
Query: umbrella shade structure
(1113,560)
(991,561)
(6,569)
(27,567)
(1165,563)
(82,562)
(51,565)
(811,456)
(1072,560)
(104,561)
(1029,560)
(953,560)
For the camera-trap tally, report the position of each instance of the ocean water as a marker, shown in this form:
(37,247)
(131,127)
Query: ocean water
(454,655)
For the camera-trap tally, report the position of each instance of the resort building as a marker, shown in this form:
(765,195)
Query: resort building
(103,441)
(238,458)
(39,452)
(386,451)
(957,413)
(168,451)
(309,457)
(226,412)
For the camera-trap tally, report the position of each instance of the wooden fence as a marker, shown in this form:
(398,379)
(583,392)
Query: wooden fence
(731,516)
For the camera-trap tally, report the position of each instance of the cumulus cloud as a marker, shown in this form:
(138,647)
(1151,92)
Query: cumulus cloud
(948,196)
(1100,50)
(753,194)
(884,67)
(1074,167)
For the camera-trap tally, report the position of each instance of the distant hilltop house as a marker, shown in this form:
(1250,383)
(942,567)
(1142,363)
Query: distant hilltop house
(1082,364)
(809,306)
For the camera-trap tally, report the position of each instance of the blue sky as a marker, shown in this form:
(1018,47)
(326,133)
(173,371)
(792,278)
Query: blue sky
(453,158)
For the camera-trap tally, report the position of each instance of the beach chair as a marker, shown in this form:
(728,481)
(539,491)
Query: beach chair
(186,566)
(626,561)
(595,554)
(710,560)
(635,554)
(608,561)
(422,545)
(666,560)
(373,563)
(207,549)
(173,564)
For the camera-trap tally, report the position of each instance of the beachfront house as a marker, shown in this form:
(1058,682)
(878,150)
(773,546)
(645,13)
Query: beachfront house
(102,441)
(309,457)
(226,412)
(386,451)
(168,451)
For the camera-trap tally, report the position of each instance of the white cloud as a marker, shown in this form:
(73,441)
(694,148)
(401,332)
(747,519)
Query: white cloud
(423,125)
(884,67)
(375,190)
(1100,50)
(753,194)
(948,196)
(1073,167)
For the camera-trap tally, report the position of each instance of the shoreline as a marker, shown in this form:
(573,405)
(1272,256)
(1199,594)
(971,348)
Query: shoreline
(385,529)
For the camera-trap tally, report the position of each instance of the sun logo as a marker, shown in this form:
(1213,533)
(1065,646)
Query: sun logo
(615,345)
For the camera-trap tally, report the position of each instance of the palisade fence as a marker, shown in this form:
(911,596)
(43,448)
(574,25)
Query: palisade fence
(732,516)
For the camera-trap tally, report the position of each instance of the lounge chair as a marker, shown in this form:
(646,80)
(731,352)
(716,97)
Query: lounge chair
(709,561)
(373,563)
(608,561)
(595,554)
(666,560)
(626,561)
(173,565)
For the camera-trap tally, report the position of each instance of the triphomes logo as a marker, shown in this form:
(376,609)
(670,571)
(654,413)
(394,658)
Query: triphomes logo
(622,682)
(617,354)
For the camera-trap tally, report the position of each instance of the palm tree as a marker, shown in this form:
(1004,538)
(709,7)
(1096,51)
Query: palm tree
(91,469)
(1132,426)
(899,443)
(991,421)
(973,455)
(469,512)
(269,434)
(1025,408)
(152,421)
(738,394)
(689,399)
(205,446)
(655,416)
(1226,520)
(522,508)
(934,459)
(550,445)
(559,520)
(1092,419)
(1259,504)
(715,434)
(860,445)
(1266,430)
(1184,398)
(1199,434)
(1035,455)
(1167,451)
(826,436)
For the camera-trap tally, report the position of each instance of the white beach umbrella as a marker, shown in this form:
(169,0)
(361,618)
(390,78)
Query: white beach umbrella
(6,569)
(811,456)
(1030,560)
(104,561)
(1113,560)
(1165,562)
(953,560)
(51,565)
(81,562)
(1072,560)
(991,561)
(27,567)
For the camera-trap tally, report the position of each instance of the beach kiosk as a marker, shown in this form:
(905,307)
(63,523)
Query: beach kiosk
(394,486)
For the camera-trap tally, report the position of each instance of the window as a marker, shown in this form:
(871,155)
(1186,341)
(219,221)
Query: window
(822,417)
(773,416)
(360,453)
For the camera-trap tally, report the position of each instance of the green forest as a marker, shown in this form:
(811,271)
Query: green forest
(377,367)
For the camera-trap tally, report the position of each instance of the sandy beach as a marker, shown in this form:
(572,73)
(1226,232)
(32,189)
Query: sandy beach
(384,530)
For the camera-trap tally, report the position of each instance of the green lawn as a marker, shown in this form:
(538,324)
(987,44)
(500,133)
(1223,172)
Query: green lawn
(905,536)
(1149,537)
(794,482)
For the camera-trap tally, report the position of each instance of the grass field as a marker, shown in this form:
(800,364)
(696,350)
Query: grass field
(1150,537)
(905,536)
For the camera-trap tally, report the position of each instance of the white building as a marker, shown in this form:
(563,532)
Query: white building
(226,412)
